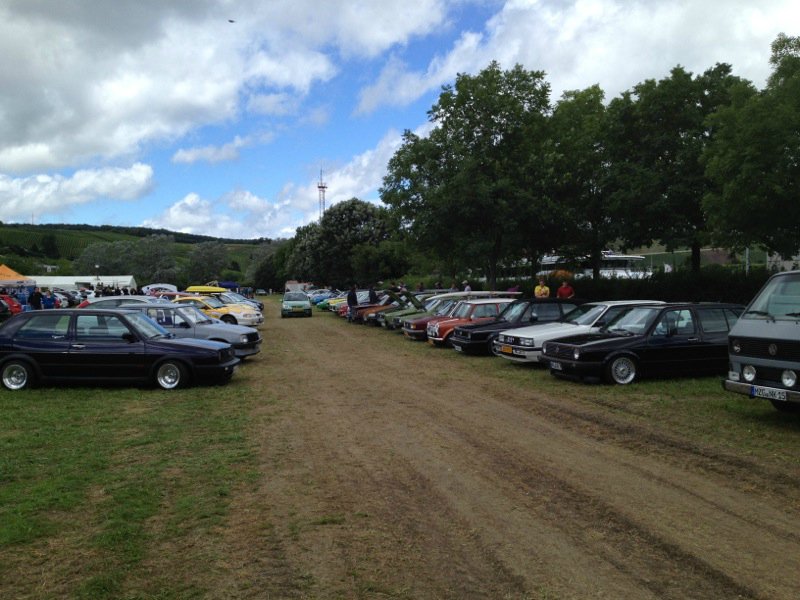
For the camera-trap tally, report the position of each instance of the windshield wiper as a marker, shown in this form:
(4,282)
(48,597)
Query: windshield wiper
(761,313)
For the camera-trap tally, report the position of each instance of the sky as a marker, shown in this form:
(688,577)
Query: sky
(221,117)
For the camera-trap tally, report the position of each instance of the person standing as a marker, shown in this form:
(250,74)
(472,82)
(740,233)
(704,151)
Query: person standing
(565,290)
(35,299)
(467,286)
(352,302)
(48,300)
(541,290)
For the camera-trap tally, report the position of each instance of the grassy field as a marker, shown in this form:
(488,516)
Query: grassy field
(107,478)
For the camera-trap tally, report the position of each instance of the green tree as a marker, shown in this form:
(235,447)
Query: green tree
(207,262)
(50,246)
(655,144)
(754,160)
(471,190)
(579,177)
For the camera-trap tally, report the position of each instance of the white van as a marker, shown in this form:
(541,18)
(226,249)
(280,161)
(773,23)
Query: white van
(764,345)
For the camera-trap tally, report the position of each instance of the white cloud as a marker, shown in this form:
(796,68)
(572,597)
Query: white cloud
(212,154)
(22,197)
(616,43)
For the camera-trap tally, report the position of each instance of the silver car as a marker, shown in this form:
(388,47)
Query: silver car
(186,321)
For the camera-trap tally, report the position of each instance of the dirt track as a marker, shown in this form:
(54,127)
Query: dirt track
(407,472)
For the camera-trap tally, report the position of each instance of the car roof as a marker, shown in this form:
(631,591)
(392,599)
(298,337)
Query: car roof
(486,300)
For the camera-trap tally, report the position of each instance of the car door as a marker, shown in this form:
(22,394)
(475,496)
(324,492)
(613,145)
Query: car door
(44,337)
(674,344)
(105,347)
(715,323)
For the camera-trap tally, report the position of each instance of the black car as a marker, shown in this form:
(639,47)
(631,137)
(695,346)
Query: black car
(669,339)
(478,338)
(89,345)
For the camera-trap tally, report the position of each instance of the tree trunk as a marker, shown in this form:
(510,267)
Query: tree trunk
(695,256)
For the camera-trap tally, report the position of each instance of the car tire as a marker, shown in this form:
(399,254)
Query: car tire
(18,375)
(492,350)
(621,370)
(171,375)
(228,319)
(781,405)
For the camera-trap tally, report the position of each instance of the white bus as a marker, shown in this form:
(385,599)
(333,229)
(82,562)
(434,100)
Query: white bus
(612,264)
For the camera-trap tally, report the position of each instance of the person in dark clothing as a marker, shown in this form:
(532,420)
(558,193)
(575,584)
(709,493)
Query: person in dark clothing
(373,295)
(352,302)
(35,299)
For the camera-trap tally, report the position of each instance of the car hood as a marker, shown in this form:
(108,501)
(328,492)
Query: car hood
(189,343)
(598,339)
(548,329)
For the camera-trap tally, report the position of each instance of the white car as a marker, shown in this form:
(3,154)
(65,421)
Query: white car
(524,345)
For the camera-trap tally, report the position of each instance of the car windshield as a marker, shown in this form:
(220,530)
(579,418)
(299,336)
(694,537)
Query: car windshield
(445,307)
(194,315)
(145,326)
(516,310)
(237,297)
(463,310)
(778,300)
(213,302)
(585,314)
(636,320)
(295,297)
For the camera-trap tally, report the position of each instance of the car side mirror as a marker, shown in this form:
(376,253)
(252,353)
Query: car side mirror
(129,337)
(534,318)
(184,325)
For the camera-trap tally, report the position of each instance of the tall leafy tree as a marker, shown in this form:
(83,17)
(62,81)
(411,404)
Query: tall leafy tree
(754,160)
(470,188)
(207,261)
(655,146)
(579,176)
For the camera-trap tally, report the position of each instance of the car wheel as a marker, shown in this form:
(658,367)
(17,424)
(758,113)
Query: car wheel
(621,370)
(171,375)
(17,375)
(492,349)
(228,319)
(781,405)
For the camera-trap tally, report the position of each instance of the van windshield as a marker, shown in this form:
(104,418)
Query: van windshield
(779,299)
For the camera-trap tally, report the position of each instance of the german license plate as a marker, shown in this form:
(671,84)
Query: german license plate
(297,309)
(457,348)
(506,350)
(556,366)
(757,391)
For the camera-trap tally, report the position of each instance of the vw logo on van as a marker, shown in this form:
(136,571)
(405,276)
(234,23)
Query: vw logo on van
(772,349)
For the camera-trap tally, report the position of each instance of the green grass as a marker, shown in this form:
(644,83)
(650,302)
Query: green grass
(101,464)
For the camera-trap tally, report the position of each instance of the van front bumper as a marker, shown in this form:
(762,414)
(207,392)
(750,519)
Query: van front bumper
(761,392)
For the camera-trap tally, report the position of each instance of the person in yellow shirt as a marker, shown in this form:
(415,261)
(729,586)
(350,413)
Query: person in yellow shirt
(541,290)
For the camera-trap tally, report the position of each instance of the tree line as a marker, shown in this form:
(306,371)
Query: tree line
(505,175)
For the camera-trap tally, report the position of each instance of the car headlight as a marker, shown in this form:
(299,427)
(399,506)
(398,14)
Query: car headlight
(736,346)
(576,354)
(788,378)
(249,315)
(526,341)
(285,306)
(749,373)
(243,338)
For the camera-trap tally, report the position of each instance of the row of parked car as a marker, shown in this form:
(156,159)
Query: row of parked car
(170,340)
(617,341)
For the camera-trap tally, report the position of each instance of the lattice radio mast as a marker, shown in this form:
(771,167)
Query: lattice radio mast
(321,186)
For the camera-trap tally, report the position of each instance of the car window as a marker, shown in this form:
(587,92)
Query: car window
(165,318)
(99,328)
(675,322)
(44,326)
(713,320)
(547,311)
(484,310)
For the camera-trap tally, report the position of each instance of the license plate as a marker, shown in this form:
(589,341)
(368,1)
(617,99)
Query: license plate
(757,391)
(297,309)
(458,348)
(506,350)
(556,366)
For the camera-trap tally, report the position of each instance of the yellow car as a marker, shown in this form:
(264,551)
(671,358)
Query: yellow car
(237,314)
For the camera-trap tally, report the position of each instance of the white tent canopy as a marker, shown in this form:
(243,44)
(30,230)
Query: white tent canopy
(76,282)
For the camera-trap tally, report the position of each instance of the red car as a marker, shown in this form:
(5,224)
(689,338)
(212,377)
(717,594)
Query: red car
(13,304)
(470,311)
(417,329)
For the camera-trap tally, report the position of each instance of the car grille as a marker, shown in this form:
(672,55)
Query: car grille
(559,351)
(760,348)
(252,337)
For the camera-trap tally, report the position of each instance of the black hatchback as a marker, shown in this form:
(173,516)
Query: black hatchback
(478,338)
(658,340)
(91,345)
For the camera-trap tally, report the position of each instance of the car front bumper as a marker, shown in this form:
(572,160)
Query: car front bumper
(520,354)
(761,392)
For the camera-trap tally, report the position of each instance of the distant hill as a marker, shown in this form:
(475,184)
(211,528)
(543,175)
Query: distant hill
(67,241)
